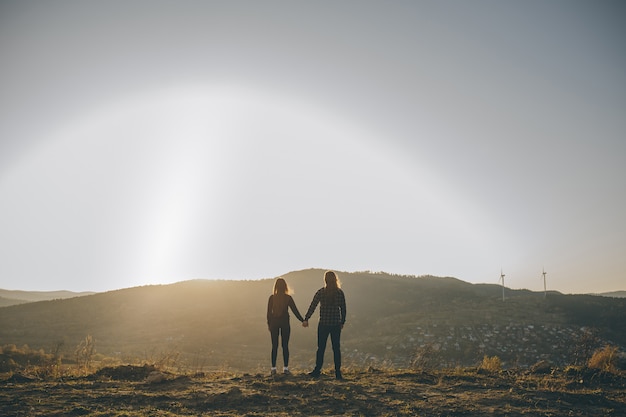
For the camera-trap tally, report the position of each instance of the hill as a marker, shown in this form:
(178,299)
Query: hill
(12,297)
(619,294)
(397,321)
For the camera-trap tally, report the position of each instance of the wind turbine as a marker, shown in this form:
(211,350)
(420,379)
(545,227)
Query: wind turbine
(502,279)
(545,292)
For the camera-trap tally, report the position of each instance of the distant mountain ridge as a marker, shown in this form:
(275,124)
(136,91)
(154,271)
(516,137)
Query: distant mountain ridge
(391,319)
(618,294)
(11,297)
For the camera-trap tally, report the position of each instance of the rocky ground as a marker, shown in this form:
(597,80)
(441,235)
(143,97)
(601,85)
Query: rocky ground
(145,391)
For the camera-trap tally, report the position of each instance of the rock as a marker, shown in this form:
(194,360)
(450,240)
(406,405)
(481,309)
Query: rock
(156,377)
(541,367)
(20,378)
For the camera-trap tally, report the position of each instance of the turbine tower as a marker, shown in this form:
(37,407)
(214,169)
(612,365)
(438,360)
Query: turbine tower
(545,291)
(502,279)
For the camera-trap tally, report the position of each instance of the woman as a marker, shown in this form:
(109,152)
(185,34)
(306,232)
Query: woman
(278,321)
(332,319)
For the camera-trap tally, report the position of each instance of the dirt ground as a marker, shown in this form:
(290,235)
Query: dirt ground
(145,391)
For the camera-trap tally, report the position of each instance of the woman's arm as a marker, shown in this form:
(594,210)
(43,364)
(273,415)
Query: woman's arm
(292,305)
(269,309)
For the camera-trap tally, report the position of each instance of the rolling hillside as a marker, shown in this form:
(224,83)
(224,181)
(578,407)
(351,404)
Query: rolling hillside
(12,297)
(618,294)
(392,320)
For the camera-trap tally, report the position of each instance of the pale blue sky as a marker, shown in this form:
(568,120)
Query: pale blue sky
(158,141)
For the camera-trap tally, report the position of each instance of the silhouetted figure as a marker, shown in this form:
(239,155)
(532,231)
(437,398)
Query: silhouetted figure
(278,321)
(332,318)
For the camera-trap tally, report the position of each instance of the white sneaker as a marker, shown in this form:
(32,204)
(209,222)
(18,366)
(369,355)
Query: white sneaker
(273,371)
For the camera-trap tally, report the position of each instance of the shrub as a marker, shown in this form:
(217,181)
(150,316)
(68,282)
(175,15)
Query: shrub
(491,364)
(426,357)
(13,358)
(604,359)
(587,342)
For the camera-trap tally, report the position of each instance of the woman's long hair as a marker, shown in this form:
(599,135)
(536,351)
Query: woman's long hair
(279,302)
(281,287)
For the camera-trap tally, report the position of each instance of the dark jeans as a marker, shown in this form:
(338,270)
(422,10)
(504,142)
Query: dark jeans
(284,330)
(323,331)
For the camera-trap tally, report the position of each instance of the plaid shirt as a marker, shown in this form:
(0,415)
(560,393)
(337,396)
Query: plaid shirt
(332,307)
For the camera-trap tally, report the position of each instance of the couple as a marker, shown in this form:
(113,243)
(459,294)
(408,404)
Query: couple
(332,318)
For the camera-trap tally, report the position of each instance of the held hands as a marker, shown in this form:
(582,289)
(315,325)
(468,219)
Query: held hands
(305,323)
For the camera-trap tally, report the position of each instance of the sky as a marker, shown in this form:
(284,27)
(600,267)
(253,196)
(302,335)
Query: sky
(150,142)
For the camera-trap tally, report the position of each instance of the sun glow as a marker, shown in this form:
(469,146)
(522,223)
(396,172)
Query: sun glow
(224,182)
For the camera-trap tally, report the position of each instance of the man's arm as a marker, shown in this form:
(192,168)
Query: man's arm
(342,307)
(314,303)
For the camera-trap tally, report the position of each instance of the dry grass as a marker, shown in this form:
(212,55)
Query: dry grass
(147,391)
(491,364)
(604,359)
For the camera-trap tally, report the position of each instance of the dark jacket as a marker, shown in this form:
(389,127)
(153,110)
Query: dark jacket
(278,315)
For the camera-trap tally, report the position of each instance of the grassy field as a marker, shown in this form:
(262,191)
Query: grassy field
(146,391)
